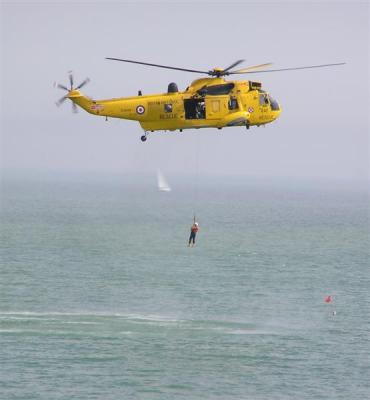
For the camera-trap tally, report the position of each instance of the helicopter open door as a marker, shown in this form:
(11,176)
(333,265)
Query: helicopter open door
(216,106)
(195,108)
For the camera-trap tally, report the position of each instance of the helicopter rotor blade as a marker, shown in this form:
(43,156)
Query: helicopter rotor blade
(286,69)
(71,79)
(252,68)
(60,86)
(87,80)
(233,65)
(158,65)
(61,101)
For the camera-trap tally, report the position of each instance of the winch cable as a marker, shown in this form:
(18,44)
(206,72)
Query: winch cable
(196,177)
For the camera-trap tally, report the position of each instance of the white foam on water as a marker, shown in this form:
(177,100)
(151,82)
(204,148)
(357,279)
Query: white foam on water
(222,327)
(149,317)
(67,317)
(42,314)
(82,322)
(250,332)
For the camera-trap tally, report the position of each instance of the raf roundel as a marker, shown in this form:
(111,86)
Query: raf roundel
(140,110)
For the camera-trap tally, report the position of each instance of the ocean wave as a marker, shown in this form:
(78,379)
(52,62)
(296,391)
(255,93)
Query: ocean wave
(222,327)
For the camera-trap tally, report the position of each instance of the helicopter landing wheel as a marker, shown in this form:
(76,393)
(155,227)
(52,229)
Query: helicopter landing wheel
(145,136)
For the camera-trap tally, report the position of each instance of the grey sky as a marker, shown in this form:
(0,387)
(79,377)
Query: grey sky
(323,130)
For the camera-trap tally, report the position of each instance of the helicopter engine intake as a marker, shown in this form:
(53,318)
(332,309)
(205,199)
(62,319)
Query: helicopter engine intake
(172,88)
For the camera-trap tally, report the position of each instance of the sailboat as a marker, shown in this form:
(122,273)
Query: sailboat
(163,185)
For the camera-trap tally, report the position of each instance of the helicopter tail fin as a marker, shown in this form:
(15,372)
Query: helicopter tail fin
(82,101)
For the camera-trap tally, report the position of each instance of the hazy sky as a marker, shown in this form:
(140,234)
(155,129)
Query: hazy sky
(323,130)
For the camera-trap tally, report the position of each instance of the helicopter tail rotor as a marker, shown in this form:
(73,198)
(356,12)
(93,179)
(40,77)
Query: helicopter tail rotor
(70,91)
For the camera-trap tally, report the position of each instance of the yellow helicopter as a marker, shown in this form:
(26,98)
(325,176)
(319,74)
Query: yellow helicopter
(207,103)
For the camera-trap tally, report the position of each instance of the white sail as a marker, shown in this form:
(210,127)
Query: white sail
(163,185)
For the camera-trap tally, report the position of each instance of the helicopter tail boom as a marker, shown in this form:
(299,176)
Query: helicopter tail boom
(82,101)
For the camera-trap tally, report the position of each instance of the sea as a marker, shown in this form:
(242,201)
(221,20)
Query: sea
(101,298)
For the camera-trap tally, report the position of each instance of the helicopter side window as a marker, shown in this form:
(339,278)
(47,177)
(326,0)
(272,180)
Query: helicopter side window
(263,99)
(233,103)
(216,90)
(168,108)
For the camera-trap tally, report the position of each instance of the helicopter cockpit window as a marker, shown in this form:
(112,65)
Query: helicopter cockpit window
(274,104)
(168,108)
(264,100)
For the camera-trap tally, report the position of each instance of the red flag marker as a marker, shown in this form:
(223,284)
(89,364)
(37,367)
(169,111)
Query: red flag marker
(328,299)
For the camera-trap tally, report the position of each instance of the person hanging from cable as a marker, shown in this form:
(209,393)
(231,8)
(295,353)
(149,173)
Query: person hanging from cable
(193,233)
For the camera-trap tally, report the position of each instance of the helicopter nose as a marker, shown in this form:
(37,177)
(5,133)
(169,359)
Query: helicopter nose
(275,107)
(277,113)
(278,108)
